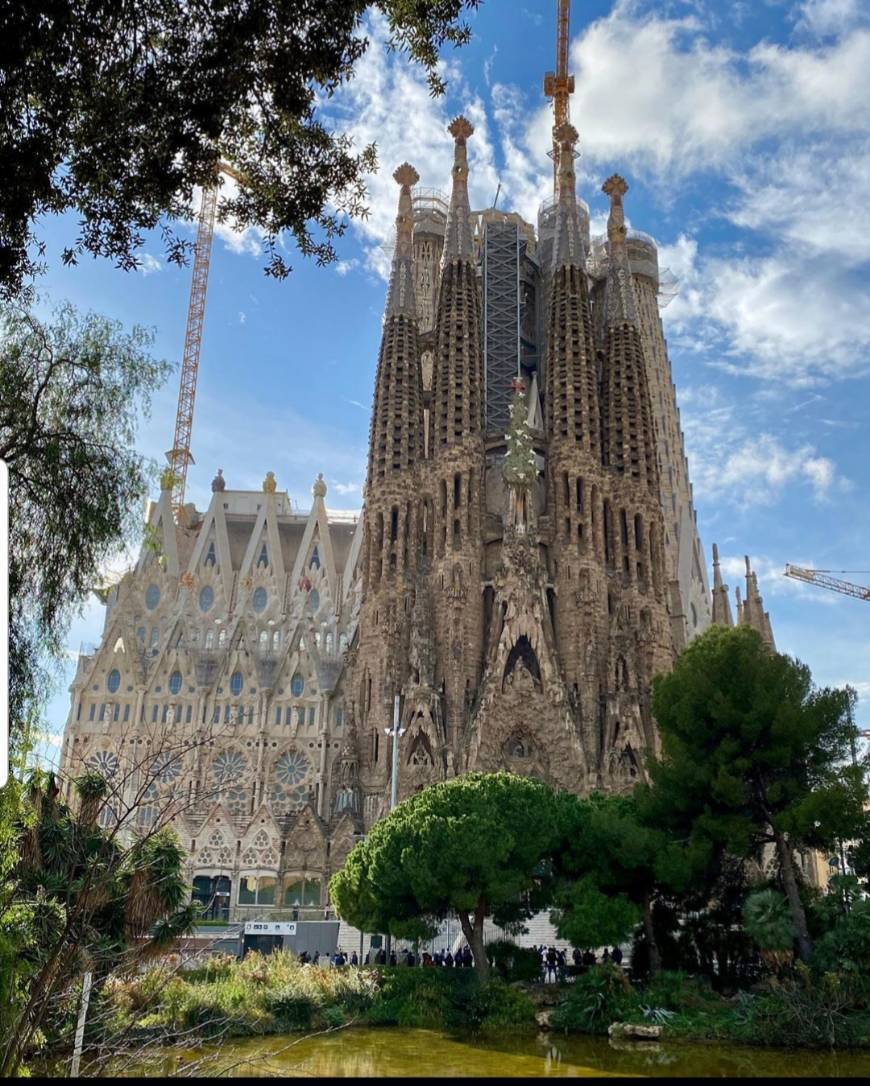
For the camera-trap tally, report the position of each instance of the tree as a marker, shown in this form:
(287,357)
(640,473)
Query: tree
(611,867)
(115,111)
(72,392)
(753,755)
(77,897)
(476,845)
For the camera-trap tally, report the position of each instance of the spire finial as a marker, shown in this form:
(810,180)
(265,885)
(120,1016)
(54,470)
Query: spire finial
(615,188)
(400,298)
(457,242)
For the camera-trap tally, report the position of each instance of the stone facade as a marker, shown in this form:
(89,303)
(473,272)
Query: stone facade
(517,588)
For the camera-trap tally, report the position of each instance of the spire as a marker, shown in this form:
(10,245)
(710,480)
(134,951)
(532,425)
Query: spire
(721,603)
(457,378)
(628,428)
(457,240)
(396,437)
(754,614)
(572,380)
(568,245)
(400,298)
(620,304)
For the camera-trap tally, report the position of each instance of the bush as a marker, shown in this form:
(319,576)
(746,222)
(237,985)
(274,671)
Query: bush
(673,990)
(802,1011)
(512,962)
(448,999)
(598,997)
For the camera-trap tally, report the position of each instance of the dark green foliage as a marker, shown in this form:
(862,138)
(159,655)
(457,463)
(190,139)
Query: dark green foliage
(597,998)
(477,845)
(448,999)
(767,919)
(512,962)
(116,111)
(752,754)
(73,391)
(76,899)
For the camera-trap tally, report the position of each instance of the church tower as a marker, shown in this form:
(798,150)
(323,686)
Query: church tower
(393,510)
(455,476)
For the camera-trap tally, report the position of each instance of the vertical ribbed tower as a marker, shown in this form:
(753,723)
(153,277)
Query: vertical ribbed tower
(457,451)
(392,505)
(574,469)
(633,533)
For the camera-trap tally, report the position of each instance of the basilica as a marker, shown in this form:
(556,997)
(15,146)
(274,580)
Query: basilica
(526,561)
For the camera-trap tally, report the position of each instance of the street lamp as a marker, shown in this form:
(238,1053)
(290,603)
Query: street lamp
(396,732)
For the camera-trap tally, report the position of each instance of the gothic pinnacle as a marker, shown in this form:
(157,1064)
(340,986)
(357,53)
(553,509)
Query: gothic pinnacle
(568,245)
(400,299)
(615,188)
(620,304)
(457,242)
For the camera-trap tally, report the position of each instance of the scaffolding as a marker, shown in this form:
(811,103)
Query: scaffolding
(501,318)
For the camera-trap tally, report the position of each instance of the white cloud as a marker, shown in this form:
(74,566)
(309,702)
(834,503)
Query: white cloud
(148,264)
(731,463)
(343,267)
(831,17)
(656,92)
(345,488)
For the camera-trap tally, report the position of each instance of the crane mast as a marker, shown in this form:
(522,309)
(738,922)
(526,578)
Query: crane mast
(559,85)
(179,456)
(823,578)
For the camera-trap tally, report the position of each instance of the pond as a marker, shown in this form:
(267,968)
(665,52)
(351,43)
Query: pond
(394,1053)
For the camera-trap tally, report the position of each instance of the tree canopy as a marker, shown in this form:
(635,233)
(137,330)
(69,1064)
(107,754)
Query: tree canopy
(475,845)
(610,866)
(74,897)
(115,111)
(752,755)
(72,392)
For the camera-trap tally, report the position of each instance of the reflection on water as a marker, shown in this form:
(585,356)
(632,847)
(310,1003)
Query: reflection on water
(413,1052)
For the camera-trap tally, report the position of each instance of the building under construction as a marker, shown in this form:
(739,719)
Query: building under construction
(527,560)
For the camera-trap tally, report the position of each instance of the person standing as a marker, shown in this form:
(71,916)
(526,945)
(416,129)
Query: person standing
(616,955)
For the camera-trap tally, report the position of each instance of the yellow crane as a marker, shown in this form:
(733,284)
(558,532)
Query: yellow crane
(823,578)
(179,456)
(559,85)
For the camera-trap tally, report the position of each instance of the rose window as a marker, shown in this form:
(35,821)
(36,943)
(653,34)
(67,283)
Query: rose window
(166,768)
(104,762)
(292,768)
(228,767)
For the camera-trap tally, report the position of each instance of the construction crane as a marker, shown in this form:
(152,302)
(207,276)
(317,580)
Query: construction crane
(823,578)
(559,85)
(179,456)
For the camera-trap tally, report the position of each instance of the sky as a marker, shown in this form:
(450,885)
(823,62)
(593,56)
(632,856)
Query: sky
(743,130)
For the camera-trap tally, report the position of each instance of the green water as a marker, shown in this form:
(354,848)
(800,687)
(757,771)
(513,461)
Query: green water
(393,1053)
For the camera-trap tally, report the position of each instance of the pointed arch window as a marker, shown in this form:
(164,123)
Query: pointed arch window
(210,555)
(315,559)
(209,639)
(222,639)
(263,560)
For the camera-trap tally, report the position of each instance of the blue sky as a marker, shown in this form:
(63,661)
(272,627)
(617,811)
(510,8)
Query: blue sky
(744,132)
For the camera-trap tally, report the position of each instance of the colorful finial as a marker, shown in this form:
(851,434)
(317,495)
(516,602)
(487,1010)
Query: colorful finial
(457,241)
(615,188)
(400,297)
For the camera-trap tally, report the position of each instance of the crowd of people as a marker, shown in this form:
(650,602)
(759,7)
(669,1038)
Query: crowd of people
(554,962)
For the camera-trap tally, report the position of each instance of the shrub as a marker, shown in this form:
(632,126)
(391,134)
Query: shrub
(512,962)
(448,999)
(673,990)
(803,1010)
(598,998)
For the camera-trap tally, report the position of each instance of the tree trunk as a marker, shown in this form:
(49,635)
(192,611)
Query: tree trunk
(473,932)
(789,880)
(655,958)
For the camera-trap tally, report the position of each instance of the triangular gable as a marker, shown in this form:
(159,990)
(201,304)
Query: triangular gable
(265,532)
(214,525)
(161,526)
(316,532)
(353,558)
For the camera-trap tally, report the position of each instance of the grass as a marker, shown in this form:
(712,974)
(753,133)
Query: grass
(801,1010)
(275,994)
